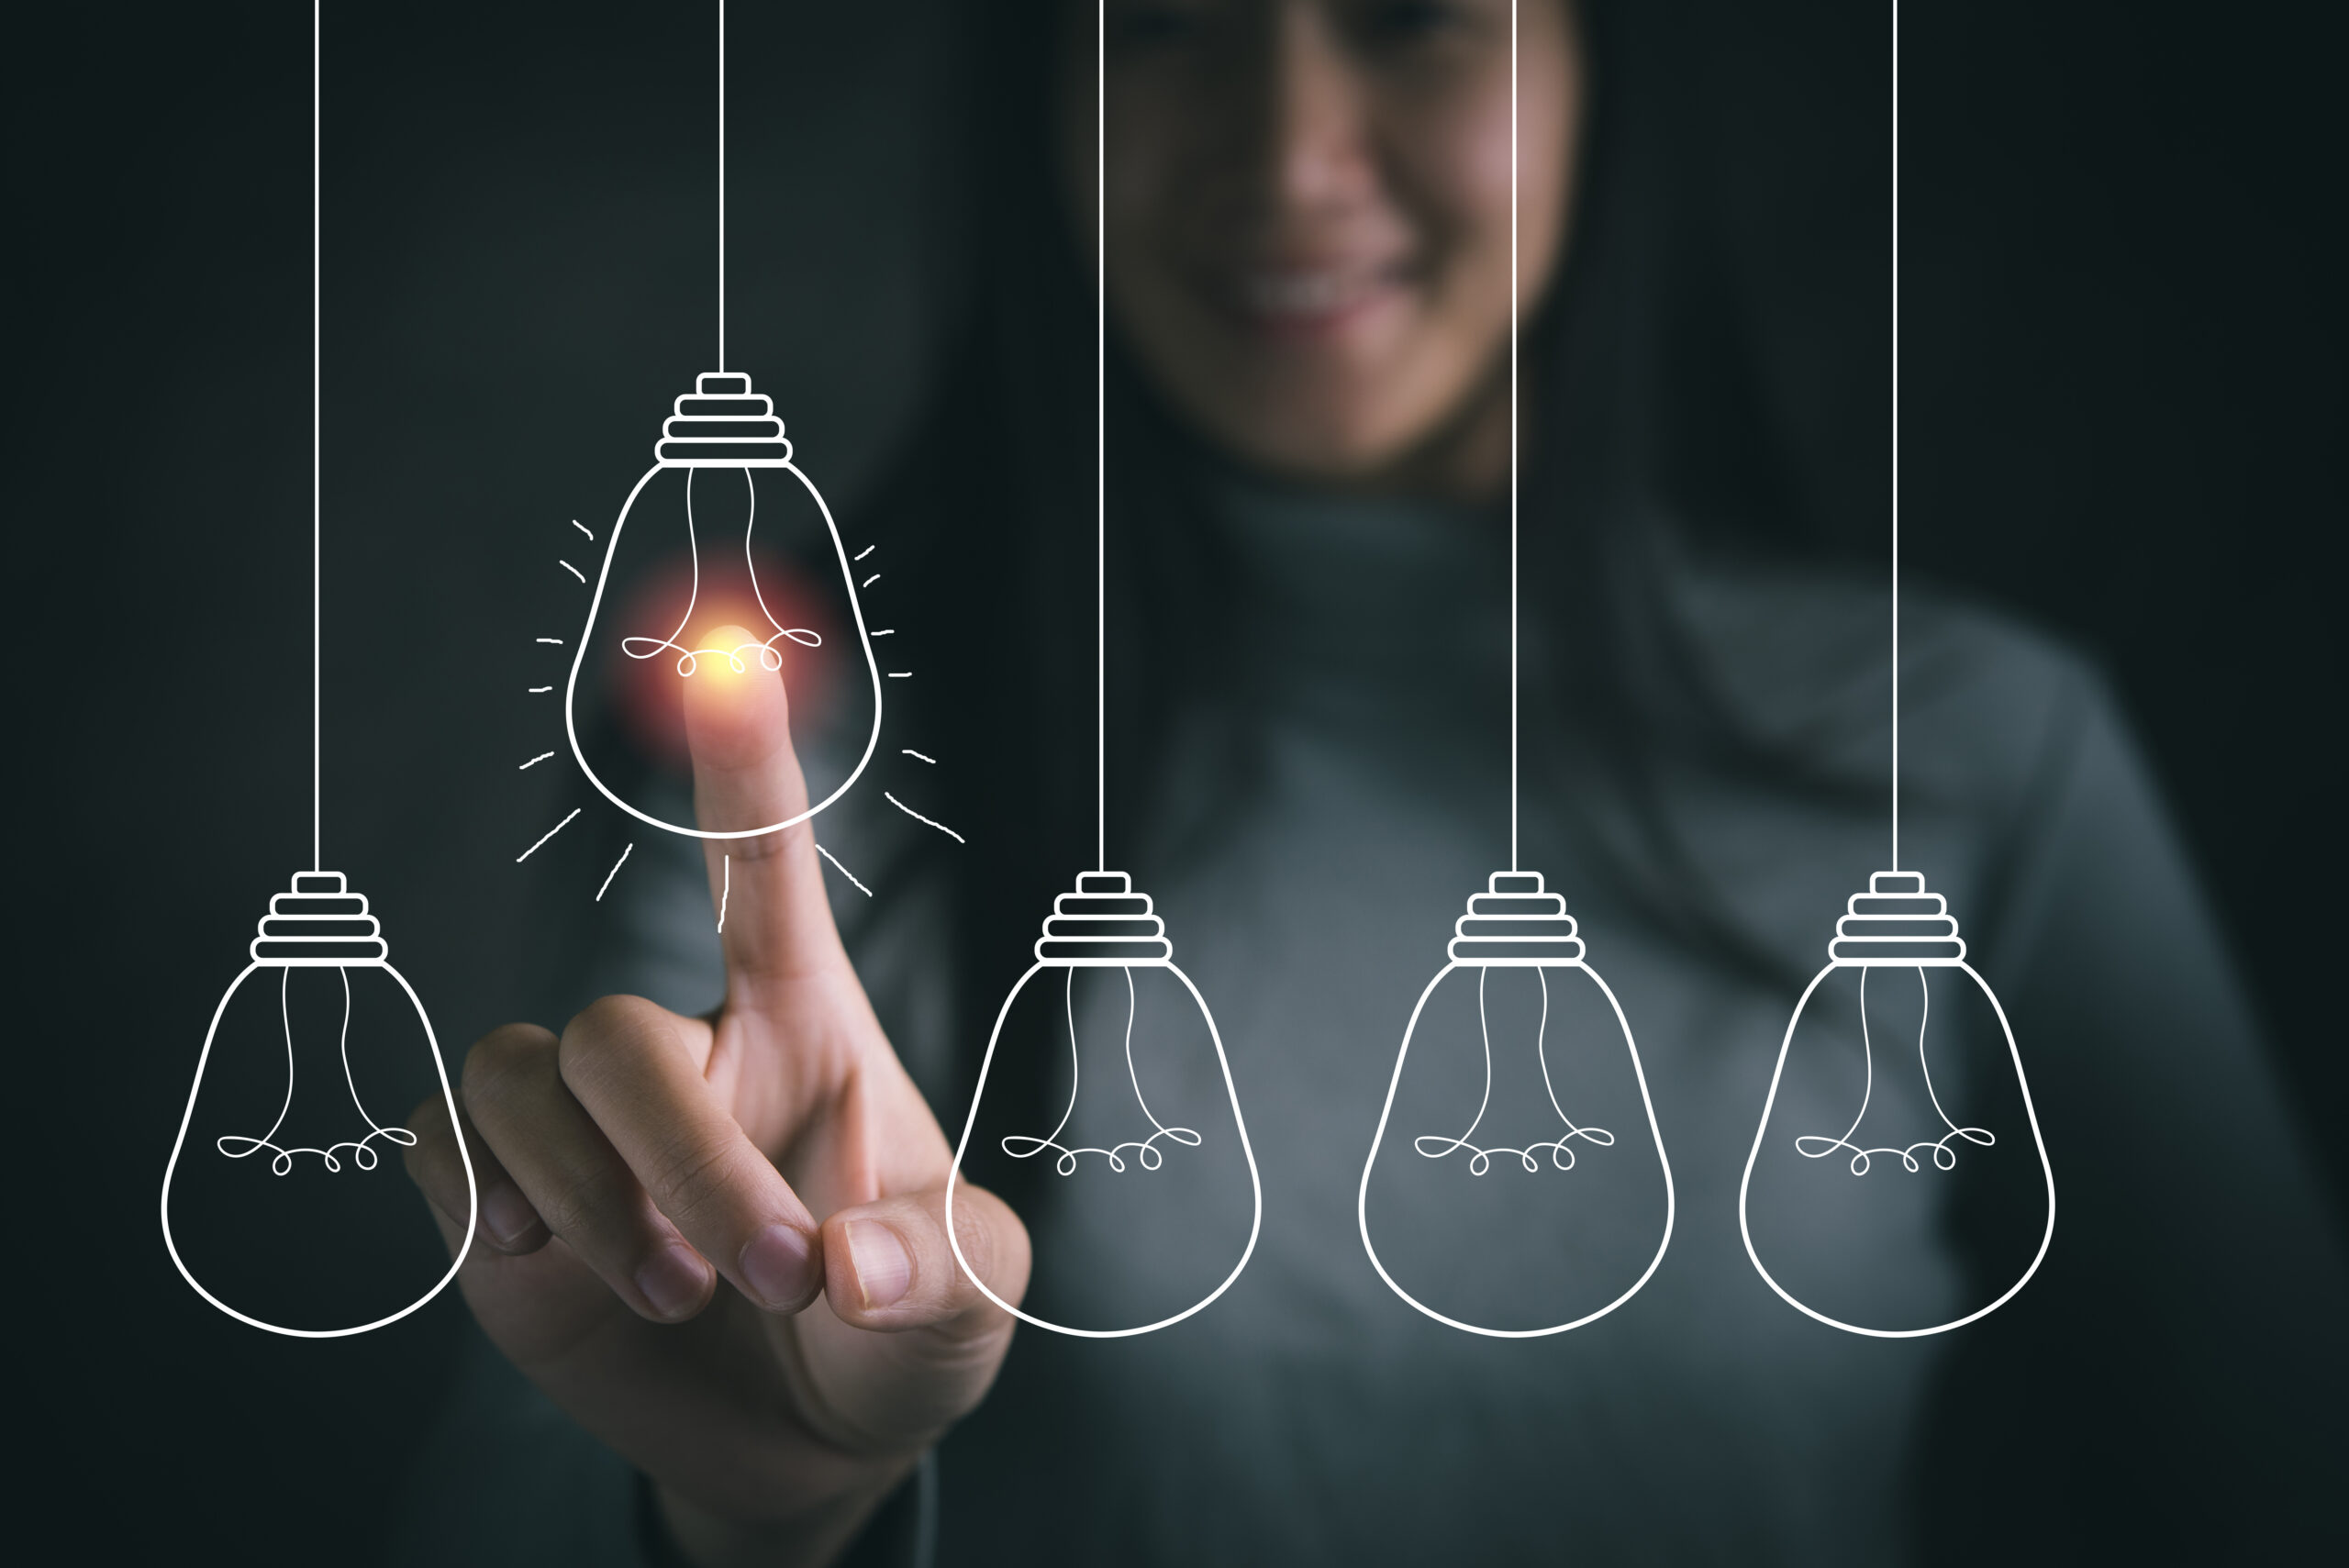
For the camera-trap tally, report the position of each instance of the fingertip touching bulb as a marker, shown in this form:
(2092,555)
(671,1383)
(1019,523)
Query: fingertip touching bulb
(724,564)
(1117,1108)
(1844,1225)
(281,1142)
(1481,1254)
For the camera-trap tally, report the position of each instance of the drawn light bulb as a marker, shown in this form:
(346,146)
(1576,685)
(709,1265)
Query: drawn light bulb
(1434,1185)
(724,497)
(1148,1103)
(1850,1144)
(284,1204)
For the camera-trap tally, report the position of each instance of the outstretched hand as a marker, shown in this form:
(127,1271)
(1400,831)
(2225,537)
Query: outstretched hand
(719,1243)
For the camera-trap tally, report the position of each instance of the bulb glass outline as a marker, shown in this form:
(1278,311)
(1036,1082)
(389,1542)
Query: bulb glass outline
(1897,924)
(1647,1103)
(708,409)
(281,946)
(1122,942)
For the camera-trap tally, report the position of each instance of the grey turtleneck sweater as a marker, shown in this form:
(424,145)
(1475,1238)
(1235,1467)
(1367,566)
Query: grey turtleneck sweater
(1310,1416)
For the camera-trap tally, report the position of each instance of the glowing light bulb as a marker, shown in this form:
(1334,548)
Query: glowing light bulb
(1148,1105)
(1852,1238)
(677,598)
(1535,1165)
(280,1203)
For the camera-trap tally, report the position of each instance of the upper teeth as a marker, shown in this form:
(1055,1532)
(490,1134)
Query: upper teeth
(1298,294)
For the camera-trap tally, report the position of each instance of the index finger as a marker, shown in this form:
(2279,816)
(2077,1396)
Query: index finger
(775,921)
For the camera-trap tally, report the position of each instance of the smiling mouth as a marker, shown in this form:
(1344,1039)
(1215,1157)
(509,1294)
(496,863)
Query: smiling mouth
(1304,302)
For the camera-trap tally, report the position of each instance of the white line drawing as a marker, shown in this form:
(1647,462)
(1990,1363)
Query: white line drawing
(614,872)
(870,581)
(573,569)
(280,1161)
(919,817)
(901,674)
(885,631)
(1944,1156)
(536,691)
(550,833)
(1436,1147)
(865,551)
(1147,1152)
(582,527)
(691,452)
(722,424)
(535,761)
(843,870)
(320,923)
(1105,924)
(917,756)
(1516,923)
(1093,926)
(556,640)
(769,657)
(725,888)
(1896,924)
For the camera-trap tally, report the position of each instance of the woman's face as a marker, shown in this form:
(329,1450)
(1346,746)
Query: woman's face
(1309,219)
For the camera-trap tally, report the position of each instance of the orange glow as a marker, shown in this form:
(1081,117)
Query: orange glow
(648,692)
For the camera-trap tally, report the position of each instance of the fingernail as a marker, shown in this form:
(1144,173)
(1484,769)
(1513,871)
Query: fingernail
(672,1280)
(507,1212)
(883,1268)
(774,1265)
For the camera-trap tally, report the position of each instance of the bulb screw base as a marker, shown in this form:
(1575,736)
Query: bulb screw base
(1518,923)
(1895,921)
(320,924)
(723,424)
(1105,924)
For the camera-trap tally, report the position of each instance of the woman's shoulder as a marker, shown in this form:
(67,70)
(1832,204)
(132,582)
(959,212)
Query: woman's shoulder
(1802,653)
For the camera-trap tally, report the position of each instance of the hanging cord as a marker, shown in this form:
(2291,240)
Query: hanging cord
(318,458)
(1896,435)
(721,186)
(1101,437)
(1513,862)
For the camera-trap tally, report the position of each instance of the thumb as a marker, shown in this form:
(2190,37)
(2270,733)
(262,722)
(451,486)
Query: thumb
(888,1265)
(775,921)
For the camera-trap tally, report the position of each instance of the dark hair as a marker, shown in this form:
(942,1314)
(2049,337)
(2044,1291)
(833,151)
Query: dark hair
(993,504)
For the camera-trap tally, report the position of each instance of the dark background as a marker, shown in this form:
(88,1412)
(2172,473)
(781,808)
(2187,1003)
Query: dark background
(2123,361)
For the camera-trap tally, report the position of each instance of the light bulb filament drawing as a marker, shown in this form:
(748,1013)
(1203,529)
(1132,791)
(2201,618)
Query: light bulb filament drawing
(1814,1146)
(769,657)
(1148,1154)
(1480,1160)
(280,1161)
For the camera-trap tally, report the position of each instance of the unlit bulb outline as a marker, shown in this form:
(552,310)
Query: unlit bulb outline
(2047,1170)
(440,1072)
(1378,1142)
(1239,1122)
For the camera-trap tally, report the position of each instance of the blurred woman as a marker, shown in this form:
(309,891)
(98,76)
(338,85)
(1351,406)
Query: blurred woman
(715,1247)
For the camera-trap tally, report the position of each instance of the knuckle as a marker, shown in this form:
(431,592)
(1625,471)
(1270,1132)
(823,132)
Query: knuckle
(992,1237)
(609,1029)
(502,1060)
(689,1178)
(579,1210)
